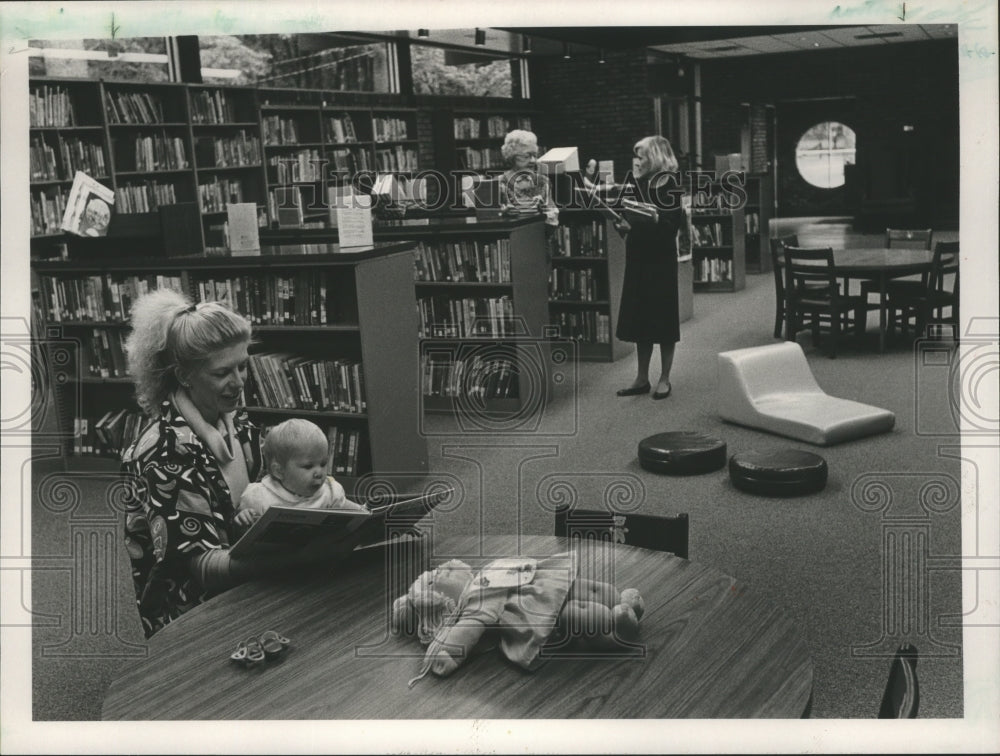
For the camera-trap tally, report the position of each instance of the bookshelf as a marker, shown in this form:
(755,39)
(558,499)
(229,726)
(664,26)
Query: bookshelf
(718,244)
(470,139)
(353,313)
(585,285)
(757,217)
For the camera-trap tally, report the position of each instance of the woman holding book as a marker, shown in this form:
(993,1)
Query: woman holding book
(648,313)
(188,468)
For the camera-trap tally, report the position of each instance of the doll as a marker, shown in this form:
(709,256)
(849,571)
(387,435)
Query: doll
(528,603)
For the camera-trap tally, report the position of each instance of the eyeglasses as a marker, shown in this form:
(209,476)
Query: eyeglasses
(528,155)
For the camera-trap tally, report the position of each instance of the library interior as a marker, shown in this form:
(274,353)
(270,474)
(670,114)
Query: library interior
(457,252)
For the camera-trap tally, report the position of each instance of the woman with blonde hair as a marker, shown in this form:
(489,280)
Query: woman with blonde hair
(522,188)
(648,313)
(190,465)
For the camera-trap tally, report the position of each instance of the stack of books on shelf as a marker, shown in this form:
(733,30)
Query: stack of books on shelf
(466,260)
(467,128)
(47,212)
(78,155)
(708,235)
(497,127)
(241,149)
(160,153)
(211,107)
(107,435)
(340,129)
(476,377)
(219,192)
(99,298)
(278,130)
(303,165)
(345,450)
(299,298)
(713,269)
(451,317)
(478,159)
(279,380)
(388,129)
(42,161)
(103,353)
(578,285)
(349,161)
(588,326)
(582,240)
(133,107)
(50,106)
(397,159)
(144,198)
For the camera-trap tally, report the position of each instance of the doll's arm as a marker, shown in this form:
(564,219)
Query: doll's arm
(452,645)
(585,589)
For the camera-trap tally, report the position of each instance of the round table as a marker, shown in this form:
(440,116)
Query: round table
(708,647)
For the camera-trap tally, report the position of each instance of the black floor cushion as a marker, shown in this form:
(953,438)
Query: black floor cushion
(682,453)
(782,472)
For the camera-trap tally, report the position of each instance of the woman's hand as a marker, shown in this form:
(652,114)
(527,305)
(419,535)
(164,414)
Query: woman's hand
(622,227)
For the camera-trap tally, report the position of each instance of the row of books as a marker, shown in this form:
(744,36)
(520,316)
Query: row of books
(388,128)
(280,380)
(340,129)
(346,447)
(300,299)
(709,235)
(107,435)
(497,127)
(581,240)
(752,222)
(350,161)
(479,159)
(303,165)
(279,130)
(713,269)
(103,353)
(467,128)
(575,284)
(461,317)
(219,192)
(133,107)
(42,164)
(47,211)
(211,107)
(476,377)
(396,160)
(99,298)
(228,152)
(145,197)
(76,154)
(160,153)
(466,260)
(50,106)
(588,326)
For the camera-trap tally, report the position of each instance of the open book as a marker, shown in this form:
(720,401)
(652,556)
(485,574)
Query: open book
(289,528)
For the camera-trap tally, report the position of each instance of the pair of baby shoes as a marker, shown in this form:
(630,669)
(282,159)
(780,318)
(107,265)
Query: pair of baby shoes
(267,646)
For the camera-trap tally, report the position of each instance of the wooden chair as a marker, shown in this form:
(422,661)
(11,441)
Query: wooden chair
(655,532)
(777,245)
(922,299)
(902,691)
(908,238)
(813,296)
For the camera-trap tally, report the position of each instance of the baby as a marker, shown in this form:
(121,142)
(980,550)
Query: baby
(295,453)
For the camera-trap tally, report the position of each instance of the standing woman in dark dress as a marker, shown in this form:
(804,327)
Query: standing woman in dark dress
(648,314)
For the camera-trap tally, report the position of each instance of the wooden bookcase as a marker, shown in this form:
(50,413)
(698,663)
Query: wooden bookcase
(370,319)
(505,372)
(757,217)
(718,244)
(585,285)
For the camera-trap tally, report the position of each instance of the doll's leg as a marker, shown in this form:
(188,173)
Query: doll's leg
(453,644)
(585,589)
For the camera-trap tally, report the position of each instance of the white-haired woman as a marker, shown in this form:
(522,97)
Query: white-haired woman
(648,313)
(522,187)
(189,467)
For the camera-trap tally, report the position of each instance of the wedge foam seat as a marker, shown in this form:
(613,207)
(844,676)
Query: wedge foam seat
(781,472)
(771,388)
(682,453)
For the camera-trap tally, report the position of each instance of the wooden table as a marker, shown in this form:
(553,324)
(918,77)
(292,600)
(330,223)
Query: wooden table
(708,647)
(880,265)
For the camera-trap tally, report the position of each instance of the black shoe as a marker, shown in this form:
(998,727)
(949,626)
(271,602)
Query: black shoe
(634,391)
(663,394)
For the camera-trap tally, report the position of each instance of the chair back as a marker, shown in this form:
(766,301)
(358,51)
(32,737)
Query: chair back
(777,250)
(809,272)
(945,261)
(655,532)
(901,699)
(912,238)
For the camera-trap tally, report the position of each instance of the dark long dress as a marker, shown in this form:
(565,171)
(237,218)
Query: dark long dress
(649,310)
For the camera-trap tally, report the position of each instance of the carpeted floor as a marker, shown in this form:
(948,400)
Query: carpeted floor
(818,557)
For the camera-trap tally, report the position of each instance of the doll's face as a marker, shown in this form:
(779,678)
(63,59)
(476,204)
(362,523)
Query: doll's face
(449,579)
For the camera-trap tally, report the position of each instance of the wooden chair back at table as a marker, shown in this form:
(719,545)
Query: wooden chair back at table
(901,699)
(777,246)
(911,238)
(654,532)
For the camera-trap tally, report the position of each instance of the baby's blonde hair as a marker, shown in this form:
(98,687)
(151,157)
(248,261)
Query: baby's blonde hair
(286,438)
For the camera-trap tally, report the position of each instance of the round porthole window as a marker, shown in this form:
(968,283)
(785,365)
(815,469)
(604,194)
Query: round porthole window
(822,153)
